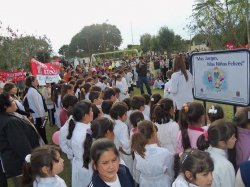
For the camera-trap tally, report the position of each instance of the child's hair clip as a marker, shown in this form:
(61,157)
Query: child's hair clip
(27,158)
(152,99)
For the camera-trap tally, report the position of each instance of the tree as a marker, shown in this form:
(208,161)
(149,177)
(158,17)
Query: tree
(145,41)
(154,43)
(221,21)
(166,38)
(64,50)
(95,38)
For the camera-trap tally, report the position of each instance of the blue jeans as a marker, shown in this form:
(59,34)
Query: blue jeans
(144,80)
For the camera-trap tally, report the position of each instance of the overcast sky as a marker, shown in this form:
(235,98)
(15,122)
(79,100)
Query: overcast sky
(60,20)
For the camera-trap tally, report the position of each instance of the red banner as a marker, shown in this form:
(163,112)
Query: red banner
(14,76)
(39,68)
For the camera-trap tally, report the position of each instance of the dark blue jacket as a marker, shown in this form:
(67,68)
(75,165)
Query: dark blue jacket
(124,176)
(245,171)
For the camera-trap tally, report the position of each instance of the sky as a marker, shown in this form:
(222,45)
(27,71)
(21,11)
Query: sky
(60,20)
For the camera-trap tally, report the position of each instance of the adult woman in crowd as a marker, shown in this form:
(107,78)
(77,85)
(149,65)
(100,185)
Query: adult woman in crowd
(181,85)
(17,138)
(35,101)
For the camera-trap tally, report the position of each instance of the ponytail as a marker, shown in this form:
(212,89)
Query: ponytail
(183,123)
(161,111)
(72,126)
(138,144)
(140,139)
(27,178)
(87,145)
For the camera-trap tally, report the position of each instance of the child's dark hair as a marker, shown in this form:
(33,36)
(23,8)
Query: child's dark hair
(117,90)
(96,111)
(128,102)
(189,114)
(94,95)
(108,93)
(55,92)
(69,101)
(147,98)
(137,102)
(155,98)
(65,88)
(219,130)
(161,113)
(242,117)
(99,147)
(140,139)
(96,88)
(99,127)
(80,109)
(45,155)
(118,110)
(194,161)
(106,106)
(87,87)
(215,112)
(136,117)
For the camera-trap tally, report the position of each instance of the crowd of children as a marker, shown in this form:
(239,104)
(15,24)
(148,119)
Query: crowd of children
(113,139)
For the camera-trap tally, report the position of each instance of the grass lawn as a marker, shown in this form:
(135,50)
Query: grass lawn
(66,174)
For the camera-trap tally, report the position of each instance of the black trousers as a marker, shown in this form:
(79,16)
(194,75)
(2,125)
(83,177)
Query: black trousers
(3,179)
(41,129)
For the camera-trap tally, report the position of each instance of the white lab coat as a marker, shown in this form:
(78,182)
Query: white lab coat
(167,135)
(123,89)
(223,174)
(64,143)
(55,181)
(122,140)
(80,175)
(181,89)
(180,181)
(156,169)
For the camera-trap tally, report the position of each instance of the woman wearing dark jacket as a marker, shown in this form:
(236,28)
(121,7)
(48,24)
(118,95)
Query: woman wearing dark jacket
(108,171)
(17,138)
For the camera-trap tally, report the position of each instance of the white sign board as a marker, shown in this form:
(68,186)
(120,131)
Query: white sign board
(43,79)
(222,76)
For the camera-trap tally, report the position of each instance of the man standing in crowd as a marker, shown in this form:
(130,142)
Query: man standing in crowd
(141,69)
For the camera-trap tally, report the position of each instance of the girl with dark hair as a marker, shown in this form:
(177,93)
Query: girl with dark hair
(42,166)
(181,84)
(191,120)
(119,113)
(106,106)
(242,120)
(107,168)
(167,128)
(196,169)
(135,118)
(217,140)
(155,98)
(87,87)
(57,100)
(78,133)
(154,163)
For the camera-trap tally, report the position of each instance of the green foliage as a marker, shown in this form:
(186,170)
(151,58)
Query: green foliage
(145,41)
(15,51)
(64,50)
(95,38)
(166,38)
(220,21)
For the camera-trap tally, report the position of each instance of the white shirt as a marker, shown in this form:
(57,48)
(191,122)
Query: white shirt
(35,103)
(167,135)
(146,111)
(223,174)
(181,89)
(80,175)
(123,89)
(55,181)
(116,183)
(158,84)
(181,182)
(156,168)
